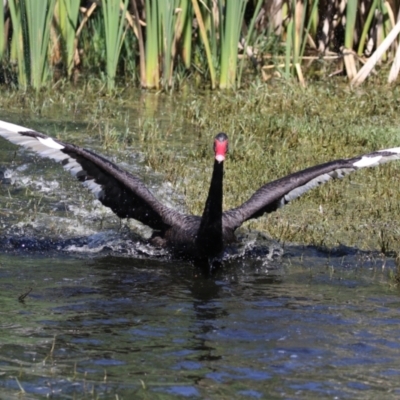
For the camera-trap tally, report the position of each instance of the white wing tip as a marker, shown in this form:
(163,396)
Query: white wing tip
(12,127)
(392,150)
(367,161)
(372,160)
(49,142)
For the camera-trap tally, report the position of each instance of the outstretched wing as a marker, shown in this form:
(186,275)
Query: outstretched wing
(124,193)
(276,194)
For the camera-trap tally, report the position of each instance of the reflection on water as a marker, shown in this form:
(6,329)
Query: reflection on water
(301,327)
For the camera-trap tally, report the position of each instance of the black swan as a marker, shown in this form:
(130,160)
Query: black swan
(200,238)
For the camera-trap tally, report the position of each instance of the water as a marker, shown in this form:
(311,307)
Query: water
(107,326)
(88,311)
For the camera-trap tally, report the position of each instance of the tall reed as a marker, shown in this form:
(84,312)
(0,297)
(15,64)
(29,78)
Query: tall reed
(32,20)
(17,50)
(248,38)
(165,23)
(205,40)
(231,15)
(152,77)
(114,27)
(36,24)
(202,36)
(168,28)
(186,20)
(366,27)
(2,32)
(68,12)
(349,59)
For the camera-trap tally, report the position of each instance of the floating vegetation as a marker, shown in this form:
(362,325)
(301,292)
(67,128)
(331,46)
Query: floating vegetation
(272,133)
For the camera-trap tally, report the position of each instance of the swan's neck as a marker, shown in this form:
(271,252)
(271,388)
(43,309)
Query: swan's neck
(209,237)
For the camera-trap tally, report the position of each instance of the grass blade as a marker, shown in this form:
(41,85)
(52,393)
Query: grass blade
(232,20)
(68,12)
(114,26)
(152,45)
(36,23)
(203,34)
(2,32)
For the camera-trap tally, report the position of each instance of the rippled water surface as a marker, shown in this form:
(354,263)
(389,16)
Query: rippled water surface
(88,312)
(289,328)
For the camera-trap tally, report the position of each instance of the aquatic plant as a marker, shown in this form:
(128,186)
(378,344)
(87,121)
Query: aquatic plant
(231,22)
(161,42)
(114,27)
(3,40)
(32,22)
(218,40)
(275,133)
(66,16)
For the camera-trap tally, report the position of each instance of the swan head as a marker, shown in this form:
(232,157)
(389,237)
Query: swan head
(220,146)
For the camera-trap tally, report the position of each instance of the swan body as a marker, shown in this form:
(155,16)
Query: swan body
(199,237)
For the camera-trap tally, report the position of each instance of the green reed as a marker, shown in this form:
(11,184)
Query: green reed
(16,52)
(206,30)
(165,23)
(152,76)
(68,13)
(30,43)
(36,24)
(168,28)
(114,28)
(171,40)
(231,23)
(2,37)
(185,19)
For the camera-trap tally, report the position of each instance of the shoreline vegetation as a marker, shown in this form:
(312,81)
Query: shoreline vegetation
(272,132)
(207,43)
